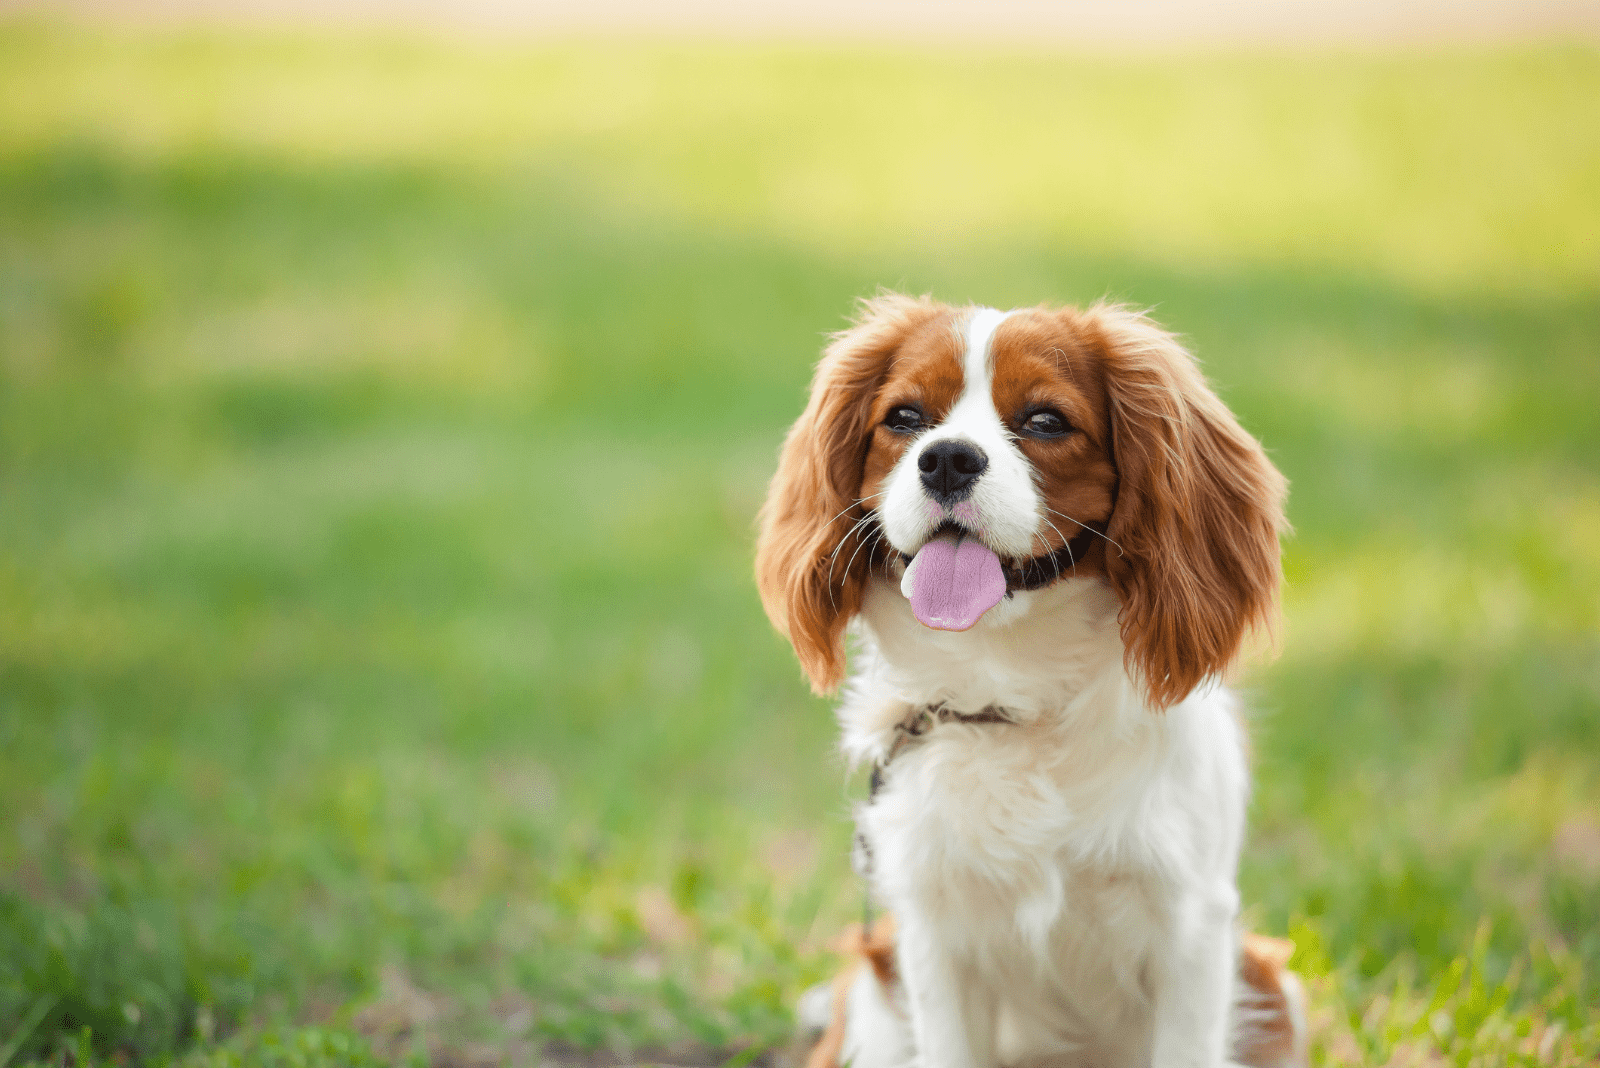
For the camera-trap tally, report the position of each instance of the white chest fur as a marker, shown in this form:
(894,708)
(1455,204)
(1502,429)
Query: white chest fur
(1053,859)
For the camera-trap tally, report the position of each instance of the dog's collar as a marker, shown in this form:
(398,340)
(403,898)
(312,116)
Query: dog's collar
(924,719)
(1041,571)
(920,722)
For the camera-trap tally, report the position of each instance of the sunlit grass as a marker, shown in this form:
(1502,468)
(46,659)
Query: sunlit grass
(1437,170)
(381,425)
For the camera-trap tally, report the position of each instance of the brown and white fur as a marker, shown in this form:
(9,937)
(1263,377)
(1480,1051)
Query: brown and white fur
(1063,884)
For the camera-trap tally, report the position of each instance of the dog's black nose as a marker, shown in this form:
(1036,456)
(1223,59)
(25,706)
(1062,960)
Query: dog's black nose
(949,468)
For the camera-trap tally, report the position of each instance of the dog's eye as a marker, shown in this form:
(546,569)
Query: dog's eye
(1045,424)
(903,420)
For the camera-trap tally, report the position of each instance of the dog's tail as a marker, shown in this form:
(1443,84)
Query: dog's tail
(869,980)
(1269,1006)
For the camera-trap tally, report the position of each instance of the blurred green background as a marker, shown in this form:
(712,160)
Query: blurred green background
(382,422)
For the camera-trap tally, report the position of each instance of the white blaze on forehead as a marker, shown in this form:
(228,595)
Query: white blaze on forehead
(977,362)
(973,416)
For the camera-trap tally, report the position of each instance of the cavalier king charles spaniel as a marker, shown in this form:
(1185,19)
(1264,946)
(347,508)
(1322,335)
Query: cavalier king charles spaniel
(1049,539)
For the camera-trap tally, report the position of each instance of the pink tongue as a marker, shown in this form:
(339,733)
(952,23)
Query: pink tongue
(954,581)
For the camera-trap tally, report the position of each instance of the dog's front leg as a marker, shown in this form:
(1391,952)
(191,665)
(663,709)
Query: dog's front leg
(1194,982)
(952,1016)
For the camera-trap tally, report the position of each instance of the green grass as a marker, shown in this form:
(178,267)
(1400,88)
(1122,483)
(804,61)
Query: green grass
(381,427)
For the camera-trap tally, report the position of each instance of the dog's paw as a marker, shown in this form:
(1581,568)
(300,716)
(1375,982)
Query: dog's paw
(815,1008)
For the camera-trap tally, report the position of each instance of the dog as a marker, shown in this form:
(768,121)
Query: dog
(1050,540)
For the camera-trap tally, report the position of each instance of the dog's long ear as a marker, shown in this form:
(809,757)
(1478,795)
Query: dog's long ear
(1198,512)
(808,584)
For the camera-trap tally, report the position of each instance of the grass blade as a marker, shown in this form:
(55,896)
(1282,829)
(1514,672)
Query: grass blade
(40,1008)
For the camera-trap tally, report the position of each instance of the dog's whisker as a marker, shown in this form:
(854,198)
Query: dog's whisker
(852,504)
(869,517)
(865,518)
(1065,544)
(852,561)
(882,537)
(834,556)
(1085,526)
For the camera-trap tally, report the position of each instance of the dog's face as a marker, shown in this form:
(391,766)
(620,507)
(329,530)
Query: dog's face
(990,452)
(992,427)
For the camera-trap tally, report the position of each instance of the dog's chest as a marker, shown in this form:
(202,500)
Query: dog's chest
(1038,867)
(1003,821)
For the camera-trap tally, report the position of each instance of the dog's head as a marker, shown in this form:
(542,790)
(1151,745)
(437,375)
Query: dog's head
(991,452)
